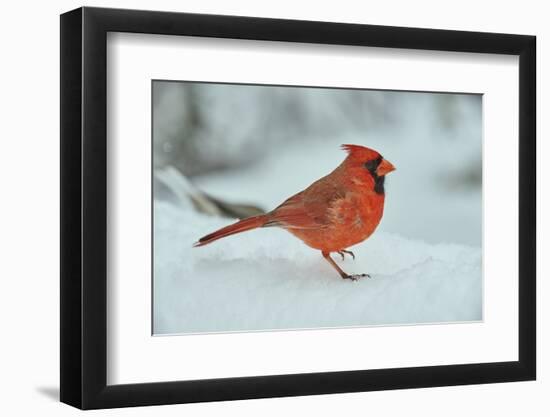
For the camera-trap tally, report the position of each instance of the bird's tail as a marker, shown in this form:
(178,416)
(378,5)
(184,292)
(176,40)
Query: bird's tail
(241,226)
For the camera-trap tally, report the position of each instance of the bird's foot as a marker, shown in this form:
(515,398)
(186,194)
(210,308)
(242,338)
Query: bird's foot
(355,277)
(347,252)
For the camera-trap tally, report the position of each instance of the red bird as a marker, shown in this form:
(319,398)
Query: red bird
(332,214)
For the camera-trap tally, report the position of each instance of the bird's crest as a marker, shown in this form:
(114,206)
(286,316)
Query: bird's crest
(361,152)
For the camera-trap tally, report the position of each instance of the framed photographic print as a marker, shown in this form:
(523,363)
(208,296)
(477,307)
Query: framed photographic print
(258,207)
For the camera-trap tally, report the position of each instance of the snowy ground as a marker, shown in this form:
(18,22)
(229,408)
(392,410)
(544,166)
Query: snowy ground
(267,279)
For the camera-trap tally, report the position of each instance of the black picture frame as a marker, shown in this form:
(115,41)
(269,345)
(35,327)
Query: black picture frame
(84,207)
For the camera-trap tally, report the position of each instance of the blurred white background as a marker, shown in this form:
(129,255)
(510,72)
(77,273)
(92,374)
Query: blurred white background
(260,145)
(30,267)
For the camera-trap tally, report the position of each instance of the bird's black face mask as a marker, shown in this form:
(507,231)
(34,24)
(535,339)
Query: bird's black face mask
(372,166)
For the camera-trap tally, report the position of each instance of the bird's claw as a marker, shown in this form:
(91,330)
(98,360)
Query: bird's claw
(355,277)
(347,252)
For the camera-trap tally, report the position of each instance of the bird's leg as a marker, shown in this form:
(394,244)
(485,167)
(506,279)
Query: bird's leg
(347,252)
(326,255)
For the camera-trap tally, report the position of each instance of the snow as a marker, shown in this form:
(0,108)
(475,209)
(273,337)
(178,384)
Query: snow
(266,279)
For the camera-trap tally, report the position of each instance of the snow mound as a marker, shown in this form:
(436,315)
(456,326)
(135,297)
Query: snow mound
(267,279)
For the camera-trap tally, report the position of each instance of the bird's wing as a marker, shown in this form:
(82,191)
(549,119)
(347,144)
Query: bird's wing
(344,211)
(309,209)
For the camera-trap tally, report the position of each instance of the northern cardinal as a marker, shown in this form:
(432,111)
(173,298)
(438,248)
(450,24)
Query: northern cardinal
(332,214)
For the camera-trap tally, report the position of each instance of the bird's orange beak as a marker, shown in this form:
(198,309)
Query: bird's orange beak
(384,168)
